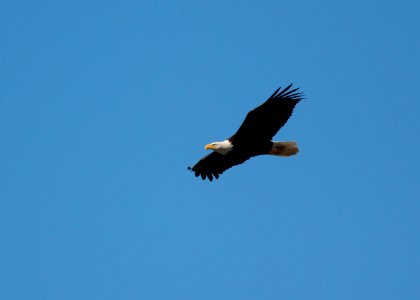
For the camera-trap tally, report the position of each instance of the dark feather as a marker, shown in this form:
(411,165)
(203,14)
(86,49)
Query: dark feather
(215,164)
(263,122)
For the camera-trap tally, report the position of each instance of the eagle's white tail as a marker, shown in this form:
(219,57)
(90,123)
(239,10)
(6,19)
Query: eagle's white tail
(284,149)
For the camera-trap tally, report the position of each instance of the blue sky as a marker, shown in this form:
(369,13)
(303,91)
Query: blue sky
(104,104)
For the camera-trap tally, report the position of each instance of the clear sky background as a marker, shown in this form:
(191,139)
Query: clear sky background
(104,104)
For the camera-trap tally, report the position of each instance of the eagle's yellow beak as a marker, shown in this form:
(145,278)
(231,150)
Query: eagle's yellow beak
(209,146)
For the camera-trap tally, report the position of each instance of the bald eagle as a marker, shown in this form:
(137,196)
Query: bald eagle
(253,136)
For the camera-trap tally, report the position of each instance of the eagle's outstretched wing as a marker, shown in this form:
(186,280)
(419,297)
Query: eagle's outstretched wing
(215,164)
(263,122)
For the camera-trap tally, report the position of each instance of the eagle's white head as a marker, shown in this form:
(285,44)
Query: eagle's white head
(220,147)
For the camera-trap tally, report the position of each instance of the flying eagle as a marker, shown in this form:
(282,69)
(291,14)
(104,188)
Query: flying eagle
(253,136)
